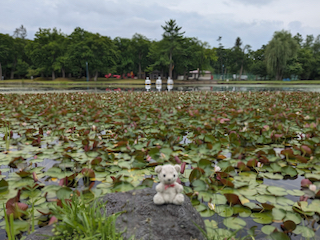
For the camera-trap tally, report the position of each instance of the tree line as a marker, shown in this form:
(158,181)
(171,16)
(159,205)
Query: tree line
(54,54)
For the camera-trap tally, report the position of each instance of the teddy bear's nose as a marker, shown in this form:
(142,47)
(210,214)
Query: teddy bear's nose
(169,179)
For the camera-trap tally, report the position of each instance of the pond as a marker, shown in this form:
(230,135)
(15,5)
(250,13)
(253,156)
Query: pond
(22,88)
(263,143)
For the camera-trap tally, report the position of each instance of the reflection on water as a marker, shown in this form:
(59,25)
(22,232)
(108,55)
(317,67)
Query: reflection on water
(159,87)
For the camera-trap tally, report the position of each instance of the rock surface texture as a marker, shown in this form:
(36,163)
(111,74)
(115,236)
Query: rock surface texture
(144,220)
(147,221)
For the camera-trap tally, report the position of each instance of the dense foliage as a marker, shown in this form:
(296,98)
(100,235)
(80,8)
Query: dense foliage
(53,53)
(235,150)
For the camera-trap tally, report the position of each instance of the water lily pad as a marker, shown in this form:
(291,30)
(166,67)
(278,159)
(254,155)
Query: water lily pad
(199,185)
(268,229)
(219,199)
(279,236)
(207,213)
(3,186)
(64,193)
(224,211)
(206,196)
(312,176)
(295,217)
(266,198)
(278,214)
(277,191)
(304,231)
(247,191)
(275,176)
(284,201)
(234,223)
(295,192)
(263,218)
(241,210)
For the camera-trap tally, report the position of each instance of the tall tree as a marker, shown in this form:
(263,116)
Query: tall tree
(125,63)
(159,60)
(46,49)
(258,66)
(103,54)
(140,45)
(19,44)
(99,52)
(172,38)
(6,45)
(279,51)
(240,56)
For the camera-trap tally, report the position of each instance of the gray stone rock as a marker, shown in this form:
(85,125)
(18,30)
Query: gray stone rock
(147,221)
(41,233)
(144,220)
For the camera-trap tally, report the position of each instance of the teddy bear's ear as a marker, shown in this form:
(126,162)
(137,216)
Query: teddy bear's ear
(158,169)
(177,167)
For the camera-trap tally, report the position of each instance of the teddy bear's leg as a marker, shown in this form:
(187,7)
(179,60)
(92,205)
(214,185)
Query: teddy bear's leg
(179,199)
(158,199)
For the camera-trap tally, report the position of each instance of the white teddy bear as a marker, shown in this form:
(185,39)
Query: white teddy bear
(168,190)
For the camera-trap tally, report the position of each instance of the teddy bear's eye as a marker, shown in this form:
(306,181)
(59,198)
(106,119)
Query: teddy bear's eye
(164,175)
(174,175)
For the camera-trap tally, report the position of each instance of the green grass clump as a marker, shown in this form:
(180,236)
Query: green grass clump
(81,220)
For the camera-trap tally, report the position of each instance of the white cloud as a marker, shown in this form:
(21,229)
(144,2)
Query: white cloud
(254,21)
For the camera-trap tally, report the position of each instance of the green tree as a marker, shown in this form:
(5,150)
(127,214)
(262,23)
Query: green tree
(240,56)
(316,55)
(224,63)
(204,57)
(159,60)
(99,52)
(22,68)
(125,63)
(279,51)
(172,38)
(103,54)
(140,47)
(18,46)
(6,42)
(299,39)
(306,61)
(46,49)
(258,66)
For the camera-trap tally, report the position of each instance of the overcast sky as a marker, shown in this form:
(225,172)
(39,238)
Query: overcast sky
(254,21)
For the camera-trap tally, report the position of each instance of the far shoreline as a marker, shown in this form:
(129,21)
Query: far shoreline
(119,82)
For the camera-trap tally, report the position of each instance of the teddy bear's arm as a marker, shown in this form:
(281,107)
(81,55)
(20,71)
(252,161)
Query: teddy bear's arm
(178,187)
(160,187)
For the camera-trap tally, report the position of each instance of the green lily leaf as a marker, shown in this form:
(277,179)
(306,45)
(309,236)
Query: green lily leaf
(234,223)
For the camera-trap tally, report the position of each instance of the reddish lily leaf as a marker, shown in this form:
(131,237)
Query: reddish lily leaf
(305,183)
(88,172)
(288,152)
(242,166)
(96,161)
(227,182)
(43,213)
(53,220)
(252,163)
(183,166)
(306,150)
(35,177)
(289,225)
(177,159)
(267,206)
(196,173)
(232,198)
(301,159)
